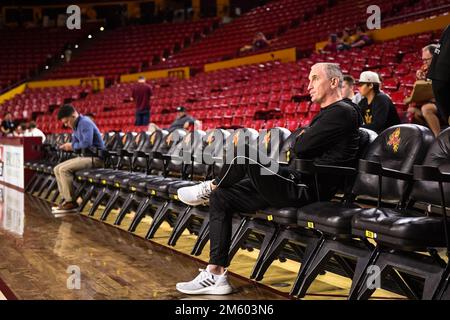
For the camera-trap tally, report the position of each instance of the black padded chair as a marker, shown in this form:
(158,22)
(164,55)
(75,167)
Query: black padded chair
(407,240)
(399,148)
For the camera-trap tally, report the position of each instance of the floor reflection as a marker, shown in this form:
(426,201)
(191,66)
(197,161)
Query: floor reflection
(12,216)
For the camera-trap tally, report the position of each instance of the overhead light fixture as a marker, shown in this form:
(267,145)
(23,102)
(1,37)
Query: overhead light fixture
(62,56)
(76,46)
(101,28)
(46,67)
(90,36)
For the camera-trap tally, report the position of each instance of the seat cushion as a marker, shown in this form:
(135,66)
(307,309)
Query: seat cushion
(406,230)
(286,216)
(328,216)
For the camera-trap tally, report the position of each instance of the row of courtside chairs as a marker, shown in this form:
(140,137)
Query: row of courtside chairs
(389,215)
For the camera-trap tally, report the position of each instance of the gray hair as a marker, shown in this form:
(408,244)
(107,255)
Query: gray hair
(430,48)
(332,70)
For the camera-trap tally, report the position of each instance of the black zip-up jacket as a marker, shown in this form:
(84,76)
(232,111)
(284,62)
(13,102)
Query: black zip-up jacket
(333,136)
(440,65)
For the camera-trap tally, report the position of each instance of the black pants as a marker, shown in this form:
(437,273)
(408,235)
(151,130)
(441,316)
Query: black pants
(244,189)
(142,118)
(441,90)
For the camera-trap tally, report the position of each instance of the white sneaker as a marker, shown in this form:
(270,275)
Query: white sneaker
(195,195)
(207,283)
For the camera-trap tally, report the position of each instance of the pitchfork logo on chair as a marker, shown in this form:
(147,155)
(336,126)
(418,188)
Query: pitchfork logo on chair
(394,140)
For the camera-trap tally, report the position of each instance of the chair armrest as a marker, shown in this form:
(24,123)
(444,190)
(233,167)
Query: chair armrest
(428,173)
(140,154)
(305,166)
(372,167)
(337,170)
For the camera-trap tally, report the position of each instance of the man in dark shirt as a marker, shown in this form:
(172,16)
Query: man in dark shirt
(183,120)
(8,125)
(378,111)
(141,96)
(332,138)
(439,73)
(85,136)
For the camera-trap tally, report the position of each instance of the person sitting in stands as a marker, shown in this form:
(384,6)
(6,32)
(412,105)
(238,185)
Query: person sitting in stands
(332,44)
(426,113)
(259,42)
(362,39)
(7,126)
(183,121)
(344,41)
(378,111)
(34,131)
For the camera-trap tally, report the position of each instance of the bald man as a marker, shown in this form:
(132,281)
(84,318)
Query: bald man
(332,138)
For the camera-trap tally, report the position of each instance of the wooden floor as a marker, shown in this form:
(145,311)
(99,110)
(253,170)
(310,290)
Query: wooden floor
(37,249)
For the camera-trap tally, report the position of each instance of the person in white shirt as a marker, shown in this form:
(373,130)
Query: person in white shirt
(33,131)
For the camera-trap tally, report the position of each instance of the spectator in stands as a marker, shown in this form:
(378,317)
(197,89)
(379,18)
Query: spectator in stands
(259,42)
(426,113)
(376,107)
(141,95)
(8,125)
(183,120)
(344,41)
(439,73)
(34,131)
(87,140)
(331,138)
(20,130)
(68,53)
(332,44)
(361,39)
(348,91)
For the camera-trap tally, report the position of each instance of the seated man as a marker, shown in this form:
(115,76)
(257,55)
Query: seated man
(331,138)
(376,107)
(183,121)
(85,136)
(361,39)
(426,113)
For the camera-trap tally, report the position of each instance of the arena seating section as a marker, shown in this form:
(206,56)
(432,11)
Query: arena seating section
(24,52)
(261,96)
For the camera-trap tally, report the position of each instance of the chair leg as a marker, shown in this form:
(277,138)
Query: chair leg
(158,219)
(54,196)
(361,273)
(110,205)
(180,225)
(123,210)
(31,182)
(269,237)
(43,185)
(272,253)
(239,238)
(97,201)
(202,239)
(86,198)
(79,190)
(49,190)
(140,214)
(36,183)
(310,252)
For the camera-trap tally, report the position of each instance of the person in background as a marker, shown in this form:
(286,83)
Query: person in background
(361,39)
(426,113)
(332,44)
(34,131)
(344,41)
(259,42)
(19,131)
(439,73)
(7,126)
(376,107)
(183,120)
(348,91)
(141,96)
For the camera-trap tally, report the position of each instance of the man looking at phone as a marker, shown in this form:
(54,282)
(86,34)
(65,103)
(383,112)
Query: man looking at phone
(85,136)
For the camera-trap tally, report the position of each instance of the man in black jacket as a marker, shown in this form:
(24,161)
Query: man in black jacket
(332,138)
(439,73)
